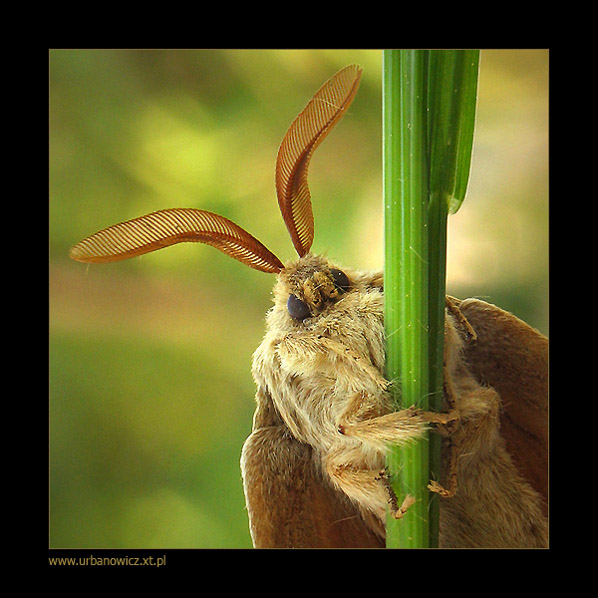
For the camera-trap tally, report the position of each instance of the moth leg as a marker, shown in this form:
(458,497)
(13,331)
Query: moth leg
(451,489)
(369,488)
(401,426)
(478,432)
(445,422)
(450,400)
(480,423)
(447,430)
(395,510)
(392,497)
(452,305)
(449,362)
(397,427)
(360,420)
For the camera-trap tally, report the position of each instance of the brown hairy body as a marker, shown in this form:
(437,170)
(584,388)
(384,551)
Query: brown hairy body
(322,396)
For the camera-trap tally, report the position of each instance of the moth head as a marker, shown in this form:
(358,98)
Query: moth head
(310,286)
(167,227)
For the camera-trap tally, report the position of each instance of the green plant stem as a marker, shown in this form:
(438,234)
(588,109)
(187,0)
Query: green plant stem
(405,277)
(428,117)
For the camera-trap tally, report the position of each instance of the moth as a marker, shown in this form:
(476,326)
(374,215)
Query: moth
(313,467)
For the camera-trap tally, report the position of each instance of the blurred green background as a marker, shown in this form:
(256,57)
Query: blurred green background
(151,395)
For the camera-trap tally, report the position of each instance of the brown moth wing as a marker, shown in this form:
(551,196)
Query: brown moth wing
(512,357)
(288,502)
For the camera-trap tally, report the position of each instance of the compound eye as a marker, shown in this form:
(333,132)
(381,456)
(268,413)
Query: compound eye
(298,309)
(340,279)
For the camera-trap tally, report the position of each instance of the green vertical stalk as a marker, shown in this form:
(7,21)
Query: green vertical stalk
(451,100)
(406,278)
(428,118)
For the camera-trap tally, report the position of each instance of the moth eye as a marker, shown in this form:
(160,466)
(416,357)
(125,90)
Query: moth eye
(297,309)
(340,279)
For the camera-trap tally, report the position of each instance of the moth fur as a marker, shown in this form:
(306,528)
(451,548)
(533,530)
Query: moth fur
(320,383)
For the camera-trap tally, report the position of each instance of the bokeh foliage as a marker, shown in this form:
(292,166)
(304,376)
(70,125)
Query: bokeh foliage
(151,395)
